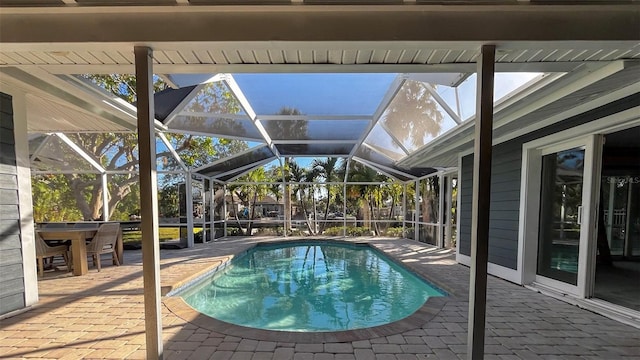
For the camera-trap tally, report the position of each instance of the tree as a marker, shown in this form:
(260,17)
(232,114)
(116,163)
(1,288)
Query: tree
(413,115)
(327,169)
(118,153)
(296,174)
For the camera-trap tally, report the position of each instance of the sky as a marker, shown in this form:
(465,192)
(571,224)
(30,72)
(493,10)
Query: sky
(355,94)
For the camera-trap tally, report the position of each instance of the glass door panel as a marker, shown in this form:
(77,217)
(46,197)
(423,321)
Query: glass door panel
(615,195)
(560,215)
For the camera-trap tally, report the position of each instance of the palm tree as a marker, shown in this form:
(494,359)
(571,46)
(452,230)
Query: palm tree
(296,174)
(310,176)
(394,191)
(258,190)
(414,115)
(369,193)
(328,170)
(233,188)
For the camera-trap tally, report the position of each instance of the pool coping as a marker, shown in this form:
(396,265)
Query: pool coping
(416,320)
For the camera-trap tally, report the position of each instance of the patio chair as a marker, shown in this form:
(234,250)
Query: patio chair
(44,251)
(104,242)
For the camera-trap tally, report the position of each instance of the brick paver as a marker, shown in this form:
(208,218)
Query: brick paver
(101,316)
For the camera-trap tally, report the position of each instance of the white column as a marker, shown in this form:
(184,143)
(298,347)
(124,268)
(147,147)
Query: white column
(23,168)
(212,208)
(447,217)
(189,205)
(224,207)
(404,208)
(481,203)
(105,197)
(416,225)
(610,208)
(441,214)
(149,203)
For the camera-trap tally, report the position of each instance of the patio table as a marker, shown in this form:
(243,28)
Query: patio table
(78,245)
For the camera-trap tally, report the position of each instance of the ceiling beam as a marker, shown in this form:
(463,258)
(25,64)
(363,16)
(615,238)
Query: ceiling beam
(305,68)
(148,24)
(53,88)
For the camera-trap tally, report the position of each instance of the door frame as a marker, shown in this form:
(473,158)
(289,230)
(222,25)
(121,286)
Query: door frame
(590,136)
(534,152)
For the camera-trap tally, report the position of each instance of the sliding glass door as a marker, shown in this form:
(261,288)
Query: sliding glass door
(561,215)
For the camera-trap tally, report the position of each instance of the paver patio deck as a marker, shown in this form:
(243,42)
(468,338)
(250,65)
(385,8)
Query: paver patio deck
(101,316)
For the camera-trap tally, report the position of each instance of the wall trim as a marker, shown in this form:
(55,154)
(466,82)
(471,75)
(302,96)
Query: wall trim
(496,270)
(529,187)
(23,172)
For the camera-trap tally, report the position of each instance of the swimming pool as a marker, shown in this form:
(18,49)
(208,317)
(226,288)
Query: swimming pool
(310,287)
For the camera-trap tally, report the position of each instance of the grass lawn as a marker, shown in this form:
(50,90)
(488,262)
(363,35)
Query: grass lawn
(166,234)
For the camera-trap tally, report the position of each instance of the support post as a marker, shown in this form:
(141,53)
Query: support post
(286,199)
(212,208)
(480,203)
(441,211)
(404,209)
(449,206)
(224,207)
(105,197)
(189,206)
(416,220)
(149,202)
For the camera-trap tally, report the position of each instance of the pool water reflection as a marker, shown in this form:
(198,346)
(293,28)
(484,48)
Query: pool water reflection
(311,286)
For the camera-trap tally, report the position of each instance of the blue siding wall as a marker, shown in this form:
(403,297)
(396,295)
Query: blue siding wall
(505,186)
(11,273)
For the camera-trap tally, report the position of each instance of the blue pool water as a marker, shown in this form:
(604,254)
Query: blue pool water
(311,286)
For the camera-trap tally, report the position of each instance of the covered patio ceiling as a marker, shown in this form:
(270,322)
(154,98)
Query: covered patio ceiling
(343,90)
(45,39)
(340,67)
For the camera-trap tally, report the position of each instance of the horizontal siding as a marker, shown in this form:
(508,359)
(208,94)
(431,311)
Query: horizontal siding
(505,186)
(9,227)
(11,257)
(12,302)
(466,191)
(12,287)
(8,181)
(505,204)
(6,168)
(10,272)
(8,242)
(8,196)
(11,260)
(9,212)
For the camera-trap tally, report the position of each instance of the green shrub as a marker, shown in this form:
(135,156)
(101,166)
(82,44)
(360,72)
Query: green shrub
(394,232)
(351,231)
(333,231)
(358,231)
(270,231)
(296,232)
(410,233)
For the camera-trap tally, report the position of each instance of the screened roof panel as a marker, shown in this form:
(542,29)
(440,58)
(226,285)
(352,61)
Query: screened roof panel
(35,140)
(315,129)
(165,161)
(447,79)
(217,126)
(214,98)
(414,116)
(374,157)
(417,133)
(396,175)
(56,155)
(326,149)
(240,161)
(167,100)
(379,139)
(315,94)
(379,159)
